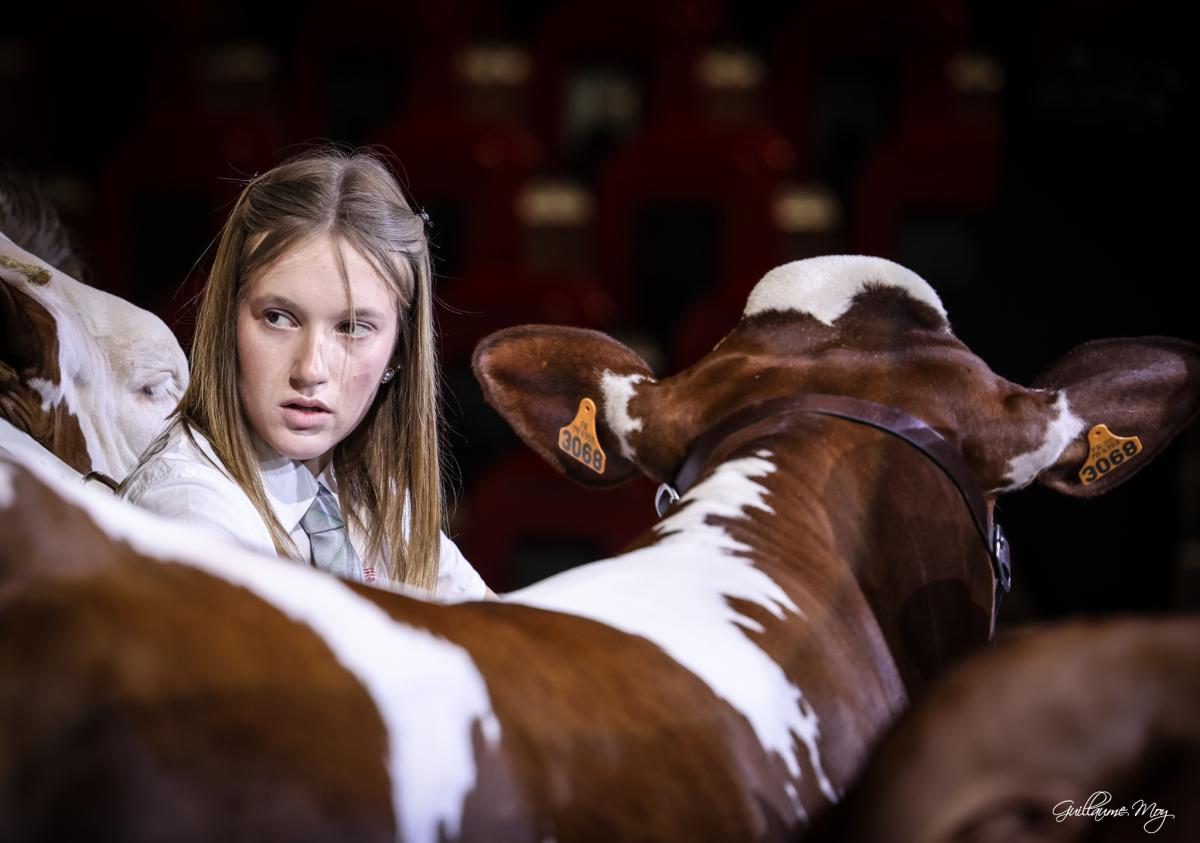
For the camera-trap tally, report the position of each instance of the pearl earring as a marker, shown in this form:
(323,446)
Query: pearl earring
(387,374)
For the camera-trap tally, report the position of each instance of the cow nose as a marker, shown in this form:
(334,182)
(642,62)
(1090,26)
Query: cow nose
(310,367)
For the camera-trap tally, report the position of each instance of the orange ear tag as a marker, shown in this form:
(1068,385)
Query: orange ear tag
(578,439)
(1107,452)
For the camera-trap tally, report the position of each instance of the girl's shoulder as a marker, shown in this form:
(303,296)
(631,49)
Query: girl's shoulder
(185,480)
(183,456)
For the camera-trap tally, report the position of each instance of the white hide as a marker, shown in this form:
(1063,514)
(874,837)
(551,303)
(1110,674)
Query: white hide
(122,370)
(428,691)
(676,594)
(825,287)
(1061,432)
(618,392)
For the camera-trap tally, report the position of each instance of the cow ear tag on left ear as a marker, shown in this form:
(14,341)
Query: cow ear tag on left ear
(578,439)
(1107,452)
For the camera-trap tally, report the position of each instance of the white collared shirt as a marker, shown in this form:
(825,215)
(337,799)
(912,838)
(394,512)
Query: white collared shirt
(188,482)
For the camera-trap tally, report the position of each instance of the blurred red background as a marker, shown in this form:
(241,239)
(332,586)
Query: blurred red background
(637,166)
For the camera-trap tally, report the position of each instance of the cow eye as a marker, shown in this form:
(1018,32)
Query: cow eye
(159,386)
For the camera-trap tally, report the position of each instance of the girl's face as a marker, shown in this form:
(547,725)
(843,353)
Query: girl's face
(306,373)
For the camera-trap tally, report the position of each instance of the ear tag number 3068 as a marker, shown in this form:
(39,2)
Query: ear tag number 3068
(1107,451)
(578,439)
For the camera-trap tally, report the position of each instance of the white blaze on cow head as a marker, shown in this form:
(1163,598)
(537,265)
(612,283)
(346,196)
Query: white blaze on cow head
(855,326)
(86,374)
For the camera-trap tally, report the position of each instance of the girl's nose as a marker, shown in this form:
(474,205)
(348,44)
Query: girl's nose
(310,367)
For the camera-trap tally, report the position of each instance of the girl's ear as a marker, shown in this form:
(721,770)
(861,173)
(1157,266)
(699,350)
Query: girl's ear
(547,382)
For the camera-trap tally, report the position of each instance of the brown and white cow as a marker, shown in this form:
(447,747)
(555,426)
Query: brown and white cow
(1085,731)
(723,679)
(86,378)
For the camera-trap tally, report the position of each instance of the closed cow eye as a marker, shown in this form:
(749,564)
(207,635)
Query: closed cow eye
(160,386)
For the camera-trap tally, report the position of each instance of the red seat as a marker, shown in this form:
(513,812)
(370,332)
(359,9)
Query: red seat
(936,166)
(523,521)
(486,301)
(643,43)
(466,172)
(169,184)
(358,64)
(843,69)
(721,179)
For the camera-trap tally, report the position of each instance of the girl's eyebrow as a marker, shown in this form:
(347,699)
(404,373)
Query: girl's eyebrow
(363,313)
(277,300)
(274,299)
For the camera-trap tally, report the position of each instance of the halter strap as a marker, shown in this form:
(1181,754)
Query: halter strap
(891,420)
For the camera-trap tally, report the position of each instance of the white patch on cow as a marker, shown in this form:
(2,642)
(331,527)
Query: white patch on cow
(51,393)
(428,691)
(121,369)
(676,593)
(618,392)
(825,287)
(1060,432)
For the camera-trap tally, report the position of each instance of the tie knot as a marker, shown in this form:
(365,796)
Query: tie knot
(323,514)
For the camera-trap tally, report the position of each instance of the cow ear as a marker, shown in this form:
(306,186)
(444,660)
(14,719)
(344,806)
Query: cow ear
(537,377)
(1144,387)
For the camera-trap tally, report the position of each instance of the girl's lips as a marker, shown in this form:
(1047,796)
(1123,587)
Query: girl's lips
(305,417)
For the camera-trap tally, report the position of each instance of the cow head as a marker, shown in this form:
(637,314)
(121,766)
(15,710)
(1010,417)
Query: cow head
(855,326)
(85,374)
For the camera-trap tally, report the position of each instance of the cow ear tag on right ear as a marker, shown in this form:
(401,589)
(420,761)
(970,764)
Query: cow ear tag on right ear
(578,439)
(1107,452)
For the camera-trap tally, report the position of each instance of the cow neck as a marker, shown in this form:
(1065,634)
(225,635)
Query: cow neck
(891,420)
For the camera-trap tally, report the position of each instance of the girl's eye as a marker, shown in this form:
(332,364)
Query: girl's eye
(355,329)
(277,319)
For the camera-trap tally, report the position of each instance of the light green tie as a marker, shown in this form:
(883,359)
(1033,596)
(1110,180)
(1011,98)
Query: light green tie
(331,548)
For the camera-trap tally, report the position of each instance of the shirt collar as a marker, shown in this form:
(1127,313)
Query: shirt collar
(289,485)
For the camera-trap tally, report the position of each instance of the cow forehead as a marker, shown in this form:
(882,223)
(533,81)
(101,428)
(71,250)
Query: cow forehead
(130,337)
(825,287)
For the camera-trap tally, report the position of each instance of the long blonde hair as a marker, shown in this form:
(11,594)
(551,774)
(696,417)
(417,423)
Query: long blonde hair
(351,197)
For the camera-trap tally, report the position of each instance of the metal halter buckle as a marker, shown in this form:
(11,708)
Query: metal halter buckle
(664,498)
(1001,552)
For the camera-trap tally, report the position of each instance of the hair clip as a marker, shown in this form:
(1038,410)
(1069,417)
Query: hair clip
(423,214)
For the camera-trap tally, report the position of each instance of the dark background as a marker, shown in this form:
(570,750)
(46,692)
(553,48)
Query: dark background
(636,166)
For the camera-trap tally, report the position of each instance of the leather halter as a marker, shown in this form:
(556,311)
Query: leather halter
(888,419)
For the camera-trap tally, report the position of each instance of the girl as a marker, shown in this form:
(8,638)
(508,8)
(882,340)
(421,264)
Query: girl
(310,427)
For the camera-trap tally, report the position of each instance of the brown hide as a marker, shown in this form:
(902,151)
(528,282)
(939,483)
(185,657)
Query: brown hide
(149,701)
(159,702)
(29,351)
(866,537)
(1054,715)
(604,736)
